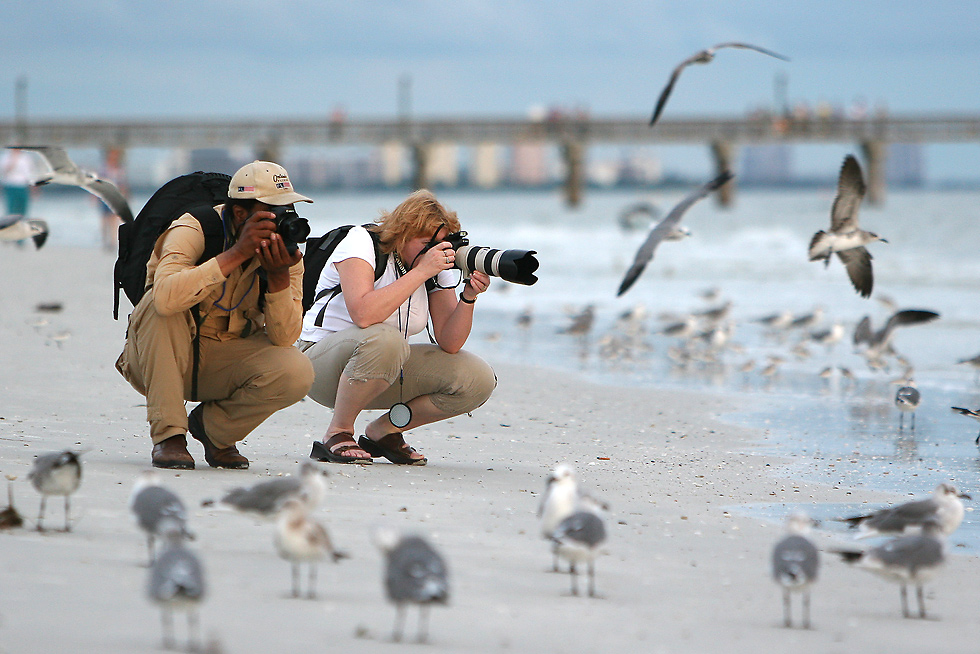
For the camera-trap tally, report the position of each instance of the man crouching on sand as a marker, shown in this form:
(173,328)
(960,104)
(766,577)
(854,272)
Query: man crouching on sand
(248,368)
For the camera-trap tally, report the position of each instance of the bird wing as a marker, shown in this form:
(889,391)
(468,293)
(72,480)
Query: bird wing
(665,227)
(662,100)
(858,264)
(911,552)
(862,333)
(55,156)
(903,515)
(905,317)
(749,46)
(113,198)
(850,191)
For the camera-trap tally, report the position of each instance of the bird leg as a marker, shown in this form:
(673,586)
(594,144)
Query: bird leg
(44,499)
(423,635)
(67,514)
(905,602)
(806,609)
(295,579)
(193,631)
(167,623)
(150,543)
(901,421)
(591,578)
(922,601)
(913,421)
(573,574)
(396,634)
(311,582)
(787,609)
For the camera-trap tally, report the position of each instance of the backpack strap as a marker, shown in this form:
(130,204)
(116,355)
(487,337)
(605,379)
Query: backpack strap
(380,263)
(214,244)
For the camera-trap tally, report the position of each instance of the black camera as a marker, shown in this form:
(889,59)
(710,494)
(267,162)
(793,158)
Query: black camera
(516,266)
(293,228)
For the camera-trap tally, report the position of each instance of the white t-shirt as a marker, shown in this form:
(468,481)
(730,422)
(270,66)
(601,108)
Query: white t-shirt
(359,244)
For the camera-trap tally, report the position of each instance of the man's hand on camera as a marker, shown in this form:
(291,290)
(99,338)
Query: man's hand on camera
(277,260)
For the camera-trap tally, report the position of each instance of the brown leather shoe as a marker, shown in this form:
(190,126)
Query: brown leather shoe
(172,453)
(217,457)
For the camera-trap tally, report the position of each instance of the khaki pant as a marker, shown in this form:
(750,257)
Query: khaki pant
(241,381)
(456,383)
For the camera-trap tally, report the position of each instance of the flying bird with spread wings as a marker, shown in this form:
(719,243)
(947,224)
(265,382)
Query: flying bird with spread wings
(846,238)
(64,171)
(702,57)
(666,228)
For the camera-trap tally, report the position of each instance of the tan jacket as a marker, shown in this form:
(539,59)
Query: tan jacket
(230,306)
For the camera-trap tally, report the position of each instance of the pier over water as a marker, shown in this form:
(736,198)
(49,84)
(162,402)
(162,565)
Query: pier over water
(573,135)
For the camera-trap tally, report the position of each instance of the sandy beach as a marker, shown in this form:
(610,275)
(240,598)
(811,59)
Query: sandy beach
(684,570)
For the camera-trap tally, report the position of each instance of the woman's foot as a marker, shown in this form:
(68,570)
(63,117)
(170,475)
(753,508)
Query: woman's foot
(394,448)
(339,448)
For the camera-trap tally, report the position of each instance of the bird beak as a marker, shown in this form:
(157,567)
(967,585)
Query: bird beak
(883,240)
(964,496)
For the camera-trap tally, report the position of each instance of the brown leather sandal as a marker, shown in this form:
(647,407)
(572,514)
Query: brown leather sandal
(327,452)
(392,447)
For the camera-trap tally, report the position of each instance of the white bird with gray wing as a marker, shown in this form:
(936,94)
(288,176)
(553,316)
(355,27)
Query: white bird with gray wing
(57,473)
(795,563)
(155,507)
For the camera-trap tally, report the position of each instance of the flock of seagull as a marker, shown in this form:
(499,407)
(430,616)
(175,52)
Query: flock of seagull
(415,572)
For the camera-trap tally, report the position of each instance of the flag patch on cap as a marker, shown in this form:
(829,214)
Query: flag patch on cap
(246,189)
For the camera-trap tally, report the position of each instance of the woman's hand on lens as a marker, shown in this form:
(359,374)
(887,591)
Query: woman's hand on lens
(476,284)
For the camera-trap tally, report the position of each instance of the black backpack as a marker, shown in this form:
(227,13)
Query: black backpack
(195,193)
(318,250)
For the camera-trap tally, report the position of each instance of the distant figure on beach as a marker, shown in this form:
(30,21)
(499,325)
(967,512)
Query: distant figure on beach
(357,334)
(17,175)
(113,171)
(247,368)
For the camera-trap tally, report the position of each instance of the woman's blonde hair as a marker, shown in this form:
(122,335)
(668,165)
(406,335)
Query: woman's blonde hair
(420,213)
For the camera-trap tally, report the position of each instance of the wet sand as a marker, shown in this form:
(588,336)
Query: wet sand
(684,571)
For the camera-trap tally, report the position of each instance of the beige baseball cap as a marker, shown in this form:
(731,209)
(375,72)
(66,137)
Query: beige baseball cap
(266,182)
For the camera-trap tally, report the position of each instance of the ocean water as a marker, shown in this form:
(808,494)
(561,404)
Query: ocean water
(839,431)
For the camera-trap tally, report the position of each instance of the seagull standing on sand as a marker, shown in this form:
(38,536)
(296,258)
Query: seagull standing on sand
(176,582)
(944,508)
(57,473)
(846,237)
(666,228)
(905,560)
(907,400)
(64,171)
(18,228)
(558,502)
(702,57)
(301,539)
(795,562)
(415,573)
(154,507)
(265,498)
(969,413)
(577,539)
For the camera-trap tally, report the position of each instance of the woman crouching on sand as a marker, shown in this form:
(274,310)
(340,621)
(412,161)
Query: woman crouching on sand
(357,334)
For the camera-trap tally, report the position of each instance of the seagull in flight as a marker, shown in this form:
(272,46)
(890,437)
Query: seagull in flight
(18,228)
(846,237)
(702,57)
(879,342)
(665,229)
(64,171)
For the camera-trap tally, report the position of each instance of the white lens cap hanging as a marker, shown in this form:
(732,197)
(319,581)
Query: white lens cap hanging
(400,415)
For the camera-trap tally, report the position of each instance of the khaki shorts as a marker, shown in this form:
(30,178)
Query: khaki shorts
(456,383)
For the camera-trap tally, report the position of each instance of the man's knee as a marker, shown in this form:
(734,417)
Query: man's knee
(287,377)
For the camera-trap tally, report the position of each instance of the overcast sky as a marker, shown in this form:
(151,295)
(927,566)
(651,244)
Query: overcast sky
(213,58)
